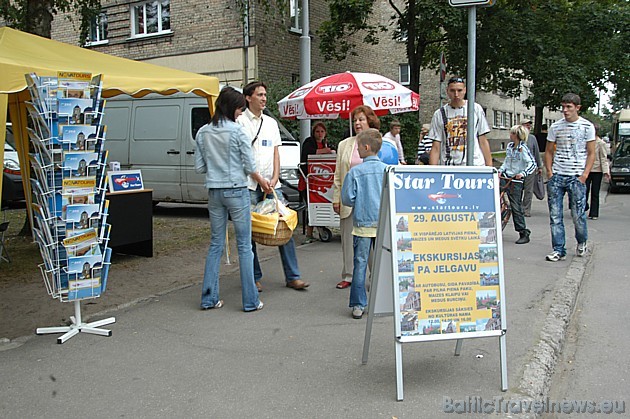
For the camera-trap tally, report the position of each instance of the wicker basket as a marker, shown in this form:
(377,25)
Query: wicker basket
(273,229)
(282,236)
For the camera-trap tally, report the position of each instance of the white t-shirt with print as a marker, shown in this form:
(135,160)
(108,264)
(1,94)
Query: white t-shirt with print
(453,147)
(264,146)
(570,139)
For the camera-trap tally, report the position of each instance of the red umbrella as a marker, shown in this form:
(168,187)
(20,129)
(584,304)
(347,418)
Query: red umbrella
(337,95)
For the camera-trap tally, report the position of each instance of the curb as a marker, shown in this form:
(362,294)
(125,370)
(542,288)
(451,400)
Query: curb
(536,380)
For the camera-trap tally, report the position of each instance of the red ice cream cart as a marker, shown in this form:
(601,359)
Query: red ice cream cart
(319,181)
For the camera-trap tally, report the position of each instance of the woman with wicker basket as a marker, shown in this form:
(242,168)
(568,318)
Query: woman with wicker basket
(224,154)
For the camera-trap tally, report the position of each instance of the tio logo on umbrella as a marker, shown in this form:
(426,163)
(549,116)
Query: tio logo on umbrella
(328,89)
(378,85)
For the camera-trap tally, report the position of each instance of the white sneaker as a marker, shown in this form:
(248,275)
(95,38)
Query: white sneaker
(581,250)
(357,312)
(555,256)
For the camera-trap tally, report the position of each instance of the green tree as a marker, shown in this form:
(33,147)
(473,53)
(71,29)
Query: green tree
(558,45)
(36,16)
(414,23)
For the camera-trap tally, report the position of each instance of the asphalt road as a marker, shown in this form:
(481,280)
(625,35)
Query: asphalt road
(300,357)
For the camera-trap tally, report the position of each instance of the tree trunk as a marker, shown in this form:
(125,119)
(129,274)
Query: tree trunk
(538,118)
(39,17)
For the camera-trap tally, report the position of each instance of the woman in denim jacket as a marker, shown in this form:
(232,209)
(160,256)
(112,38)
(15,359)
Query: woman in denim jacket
(224,154)
(518,163)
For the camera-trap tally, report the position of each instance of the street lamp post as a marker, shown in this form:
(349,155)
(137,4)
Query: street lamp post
(305,64)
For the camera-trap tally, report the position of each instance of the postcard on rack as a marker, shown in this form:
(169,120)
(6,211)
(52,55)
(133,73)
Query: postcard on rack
(80,217)
(79,137)
(39,123)
(125,180)
(94,118)
(40,147)
(84,276)
(73,111)
(75,198)
(84,288)
(78,186)
(84,244)
(33,83)
(73,84)
(80,164)
(85,265)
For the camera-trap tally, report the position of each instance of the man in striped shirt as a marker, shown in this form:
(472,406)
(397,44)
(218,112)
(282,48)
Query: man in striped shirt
(569,156)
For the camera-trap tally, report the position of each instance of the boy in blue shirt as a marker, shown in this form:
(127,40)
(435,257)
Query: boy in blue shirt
(361,190)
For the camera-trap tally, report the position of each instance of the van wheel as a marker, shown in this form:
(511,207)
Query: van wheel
(324,234)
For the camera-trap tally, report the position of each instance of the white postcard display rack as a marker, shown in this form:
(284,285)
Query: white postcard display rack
(69,209)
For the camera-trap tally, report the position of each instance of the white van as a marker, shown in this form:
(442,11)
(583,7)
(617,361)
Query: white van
(156,134)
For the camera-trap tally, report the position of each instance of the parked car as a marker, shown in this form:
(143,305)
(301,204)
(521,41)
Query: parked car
(12,189)
(620,166)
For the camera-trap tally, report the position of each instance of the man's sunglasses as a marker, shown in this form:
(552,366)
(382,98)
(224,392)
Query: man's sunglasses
(455,80)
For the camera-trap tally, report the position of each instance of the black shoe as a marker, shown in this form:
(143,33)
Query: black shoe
(523,239)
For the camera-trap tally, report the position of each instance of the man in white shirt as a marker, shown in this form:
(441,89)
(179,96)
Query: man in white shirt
(265,135)
(569,157)
(449,129)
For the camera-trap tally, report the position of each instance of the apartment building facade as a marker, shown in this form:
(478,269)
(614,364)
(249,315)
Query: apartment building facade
(219,38)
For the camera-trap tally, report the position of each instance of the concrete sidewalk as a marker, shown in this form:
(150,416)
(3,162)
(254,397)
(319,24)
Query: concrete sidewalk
(300,357)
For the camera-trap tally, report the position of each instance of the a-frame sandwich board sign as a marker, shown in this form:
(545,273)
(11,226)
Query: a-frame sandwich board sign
(438,265)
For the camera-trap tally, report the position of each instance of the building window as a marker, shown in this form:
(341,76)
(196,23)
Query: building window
(404,74)
(98,30)
(503,119)
(498,119)
(296,15)
(151,18)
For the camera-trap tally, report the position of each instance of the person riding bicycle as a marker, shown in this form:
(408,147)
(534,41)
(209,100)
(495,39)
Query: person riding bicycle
(518,163)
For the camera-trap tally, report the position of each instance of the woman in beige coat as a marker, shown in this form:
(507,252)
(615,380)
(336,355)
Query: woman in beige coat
(594,179)
(363,117)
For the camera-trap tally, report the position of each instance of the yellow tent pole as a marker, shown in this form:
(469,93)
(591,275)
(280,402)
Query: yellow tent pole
(19,123)
(3,132)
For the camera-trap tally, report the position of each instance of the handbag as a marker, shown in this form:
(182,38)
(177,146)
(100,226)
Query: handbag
(539,186)
(276,228)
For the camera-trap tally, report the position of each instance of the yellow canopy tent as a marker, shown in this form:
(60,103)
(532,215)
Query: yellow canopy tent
(22,53)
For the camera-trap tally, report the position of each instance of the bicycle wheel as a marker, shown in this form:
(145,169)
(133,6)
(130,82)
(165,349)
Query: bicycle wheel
(506,209)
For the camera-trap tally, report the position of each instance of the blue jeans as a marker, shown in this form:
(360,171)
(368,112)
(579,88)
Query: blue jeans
(557,186)
(287,251)
(234,201)
(362,247)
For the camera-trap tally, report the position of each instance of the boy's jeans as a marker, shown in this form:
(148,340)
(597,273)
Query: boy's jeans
(362,247)
(557,186)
